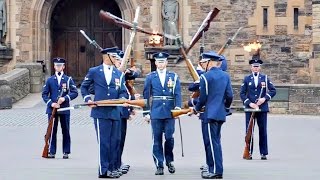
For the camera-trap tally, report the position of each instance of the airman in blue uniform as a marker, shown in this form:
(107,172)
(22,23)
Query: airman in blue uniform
(215,98)
(108,83)
(253,85)
(130,74)
(202,68)
(164,89)
(58,91)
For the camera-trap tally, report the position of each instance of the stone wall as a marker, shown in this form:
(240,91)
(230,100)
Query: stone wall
(36,75)
(290,99)
(14,85)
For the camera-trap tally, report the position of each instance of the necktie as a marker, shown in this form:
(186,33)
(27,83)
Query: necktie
(255,74)
(59,73)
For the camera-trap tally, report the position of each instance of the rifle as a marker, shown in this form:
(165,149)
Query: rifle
(140,103)
(249,135)
(203,28)
(107,16)
(93,42)
(126,55)
(229,41)
(130,83)
(47,136)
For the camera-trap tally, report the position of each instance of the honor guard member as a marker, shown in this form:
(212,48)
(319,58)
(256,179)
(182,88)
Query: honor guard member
(56,85)
(251,88)
(108,83)
(202,68)
(164,88)
(130,74)
(215,97)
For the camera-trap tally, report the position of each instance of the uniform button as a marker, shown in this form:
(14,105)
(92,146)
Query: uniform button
(255,95)
(256,90)
(164,103)
(163,90)
(108,87)
(108,94)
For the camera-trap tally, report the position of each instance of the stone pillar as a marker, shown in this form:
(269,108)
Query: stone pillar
(36,76)
(5,97)
(314,61)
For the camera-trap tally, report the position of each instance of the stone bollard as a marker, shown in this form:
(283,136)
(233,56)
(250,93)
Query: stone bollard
(36,75)
(5,97)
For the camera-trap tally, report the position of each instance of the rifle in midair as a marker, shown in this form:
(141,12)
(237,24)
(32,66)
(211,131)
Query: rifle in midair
(107,16)
(127,52)
(47,136)
(203,28)
(92,42)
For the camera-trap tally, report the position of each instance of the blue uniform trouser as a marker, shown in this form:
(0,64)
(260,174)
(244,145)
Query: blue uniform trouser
(65,127)
(122,134)
(107,131)
(160,126)
(211,133)
(261,118)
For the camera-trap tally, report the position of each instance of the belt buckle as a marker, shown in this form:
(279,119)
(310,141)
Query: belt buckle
(164,98)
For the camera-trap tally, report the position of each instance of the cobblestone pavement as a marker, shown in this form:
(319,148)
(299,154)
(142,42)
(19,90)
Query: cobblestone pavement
(293,148)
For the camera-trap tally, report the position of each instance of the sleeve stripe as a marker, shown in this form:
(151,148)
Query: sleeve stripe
(84,98)
(48,101)
(68,97)
(269,96)
(245,101)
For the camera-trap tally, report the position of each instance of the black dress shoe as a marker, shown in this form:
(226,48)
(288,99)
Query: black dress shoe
(211,176)
(159,171)
(263,157)
(217,176)
(171,168)
(65,156)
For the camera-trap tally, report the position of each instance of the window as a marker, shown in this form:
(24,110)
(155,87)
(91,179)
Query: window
(265,17)
(295,18)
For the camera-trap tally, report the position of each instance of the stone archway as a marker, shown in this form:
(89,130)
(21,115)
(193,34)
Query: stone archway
(41,32)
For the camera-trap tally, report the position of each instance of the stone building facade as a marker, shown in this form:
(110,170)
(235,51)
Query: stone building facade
(289,31)
(290,48)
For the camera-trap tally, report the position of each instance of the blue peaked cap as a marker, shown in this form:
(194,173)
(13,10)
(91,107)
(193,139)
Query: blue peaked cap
(58,60)
(211,55)
(112,50)
(161,56)
(256,62)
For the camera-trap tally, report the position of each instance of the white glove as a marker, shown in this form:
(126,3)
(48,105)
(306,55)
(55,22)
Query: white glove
(147,118)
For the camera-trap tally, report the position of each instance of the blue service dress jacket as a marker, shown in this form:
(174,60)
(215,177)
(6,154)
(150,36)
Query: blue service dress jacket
(249,93)
(51,91)
(164,99)
(216,94)
(115,90)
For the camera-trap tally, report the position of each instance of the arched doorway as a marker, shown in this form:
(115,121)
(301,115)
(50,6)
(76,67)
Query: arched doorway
(71,16)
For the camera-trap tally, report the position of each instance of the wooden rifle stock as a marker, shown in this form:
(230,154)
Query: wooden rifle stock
(106,16)
(137,102)
(246,152)
(45,150)
(176,113)
(204,27)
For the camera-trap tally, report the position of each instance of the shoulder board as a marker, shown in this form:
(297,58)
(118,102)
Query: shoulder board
(153,72)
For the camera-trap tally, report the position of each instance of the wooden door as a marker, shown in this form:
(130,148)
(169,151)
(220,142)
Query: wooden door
(71,16)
